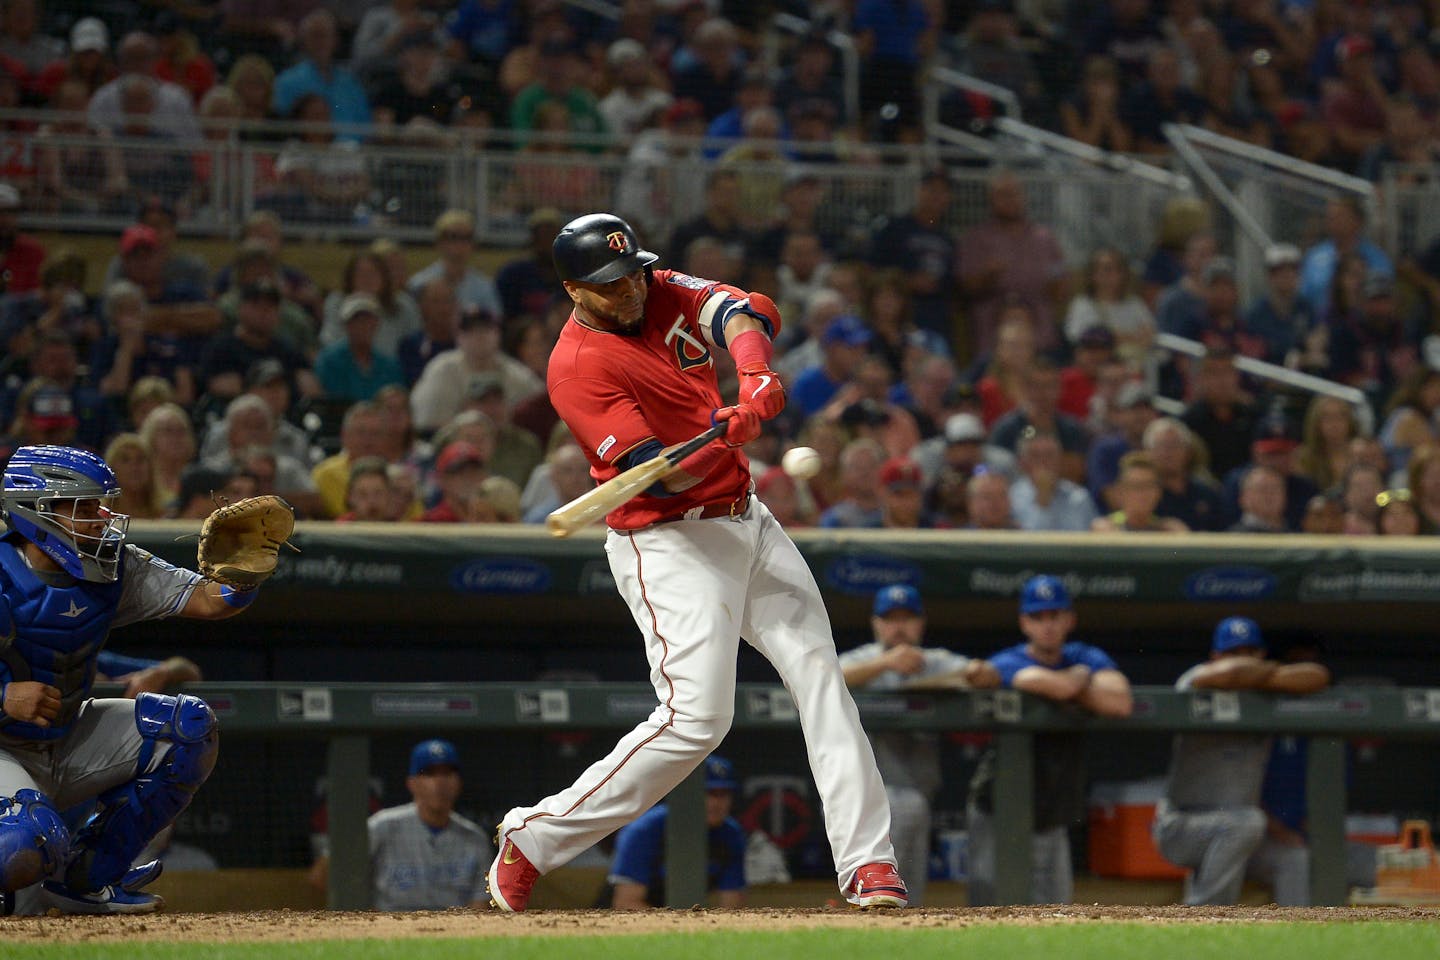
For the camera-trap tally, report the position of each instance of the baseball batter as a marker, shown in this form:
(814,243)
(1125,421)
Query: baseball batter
(67,578)
(909,761)
(1210,819)
(699,560)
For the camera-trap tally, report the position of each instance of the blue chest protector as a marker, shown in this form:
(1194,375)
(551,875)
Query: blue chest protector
(51,634)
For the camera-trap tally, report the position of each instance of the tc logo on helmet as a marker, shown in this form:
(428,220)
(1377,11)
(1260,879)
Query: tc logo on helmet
(616,240)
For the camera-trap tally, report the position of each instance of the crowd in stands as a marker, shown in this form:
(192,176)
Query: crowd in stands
(949,378)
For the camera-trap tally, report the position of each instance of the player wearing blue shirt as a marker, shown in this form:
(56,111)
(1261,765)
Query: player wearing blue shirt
(1050,666)
(638,871)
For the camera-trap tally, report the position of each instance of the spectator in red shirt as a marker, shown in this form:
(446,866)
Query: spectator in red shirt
(459,471)
(1014,355)
(181,60)
(89,60)
(20,254)
(1093,350)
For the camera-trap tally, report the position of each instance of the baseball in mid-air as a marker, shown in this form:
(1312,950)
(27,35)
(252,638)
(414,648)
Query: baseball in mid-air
(802,463)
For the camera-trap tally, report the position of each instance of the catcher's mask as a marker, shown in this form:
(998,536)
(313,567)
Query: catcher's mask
(598,248)
(60,499)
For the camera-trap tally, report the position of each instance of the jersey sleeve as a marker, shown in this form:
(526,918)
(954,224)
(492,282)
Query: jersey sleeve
(1091,656)
(713,304)
(1008,663)
(605,420)
(637,849)
(152,589)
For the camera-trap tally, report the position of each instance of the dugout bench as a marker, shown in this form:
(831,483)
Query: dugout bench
(346,714)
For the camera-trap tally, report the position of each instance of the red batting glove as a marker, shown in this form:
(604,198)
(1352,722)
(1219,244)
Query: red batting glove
(744,423)
(760,387)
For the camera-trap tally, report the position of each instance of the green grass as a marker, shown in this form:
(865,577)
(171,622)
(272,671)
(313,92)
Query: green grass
(1084,941)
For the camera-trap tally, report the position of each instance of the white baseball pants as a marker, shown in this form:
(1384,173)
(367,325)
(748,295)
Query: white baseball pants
(695,587)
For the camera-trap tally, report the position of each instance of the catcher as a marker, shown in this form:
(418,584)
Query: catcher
(67,577)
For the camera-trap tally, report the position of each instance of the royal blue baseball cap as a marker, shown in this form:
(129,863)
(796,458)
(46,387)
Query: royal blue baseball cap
(1043,593)
(433,753)
(720,774)
(1235,632)
(847,329)
(898,596)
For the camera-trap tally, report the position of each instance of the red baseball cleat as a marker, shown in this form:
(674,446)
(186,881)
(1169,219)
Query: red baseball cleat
(877,885)
(511,878)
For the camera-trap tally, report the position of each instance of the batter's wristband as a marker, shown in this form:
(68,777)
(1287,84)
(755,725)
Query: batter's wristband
(702,461)
(239,599)
(752,346)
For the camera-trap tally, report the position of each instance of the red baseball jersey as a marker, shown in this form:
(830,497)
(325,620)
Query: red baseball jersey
(615,391)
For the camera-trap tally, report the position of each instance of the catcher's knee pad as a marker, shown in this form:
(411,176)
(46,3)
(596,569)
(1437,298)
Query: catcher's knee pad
(34,842)
(129,815)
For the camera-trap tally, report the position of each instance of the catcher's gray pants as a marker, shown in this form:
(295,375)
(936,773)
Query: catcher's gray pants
(1285,869)
(1215,845)
(1052,878)
(910,833)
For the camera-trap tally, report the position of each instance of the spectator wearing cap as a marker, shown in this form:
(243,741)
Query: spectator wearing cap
(45,414)
(173,111)
(860,503)
(1039,407)
(1275,445)
(268,380)
(441,390)
(1281,315)
(636,98)
(1010,255)
(1047,664)
(255,263)
(175,307)
(921,243)
(960,449)
(424,855)
(843,345)
(318,73)
(21,255)
(88,64)
(1132,412)
(1210,820)
(1344,235)
(455,244)
(637,874)
(1376,349)
(1041,499)
(354,368)
(22,40)
(897,659)
(1222,415)
(1353,104)
(366,272)
(226,358)
(177,267)
(53,358)
(902,495)
(459,470)
(1108,299)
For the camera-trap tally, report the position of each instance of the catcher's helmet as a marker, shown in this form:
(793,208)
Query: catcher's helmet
(598,248)
(36,478)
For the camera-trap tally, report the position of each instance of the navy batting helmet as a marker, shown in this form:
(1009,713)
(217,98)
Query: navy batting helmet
(598,248)
(43,492)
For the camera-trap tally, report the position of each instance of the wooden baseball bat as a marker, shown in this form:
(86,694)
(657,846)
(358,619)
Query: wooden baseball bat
(594,504)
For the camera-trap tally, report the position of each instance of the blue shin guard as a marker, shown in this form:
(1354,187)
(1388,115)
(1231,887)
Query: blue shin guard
(34,842)
(129,815)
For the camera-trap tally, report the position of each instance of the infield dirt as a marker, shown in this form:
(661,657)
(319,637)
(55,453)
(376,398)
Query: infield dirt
(294,926)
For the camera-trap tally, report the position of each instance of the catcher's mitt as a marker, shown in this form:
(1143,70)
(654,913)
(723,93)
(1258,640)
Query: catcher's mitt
(239,543)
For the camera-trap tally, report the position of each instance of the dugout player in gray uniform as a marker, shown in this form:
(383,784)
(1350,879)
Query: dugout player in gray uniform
(909,761)
(1210,819)
(424,855)
(1048,664)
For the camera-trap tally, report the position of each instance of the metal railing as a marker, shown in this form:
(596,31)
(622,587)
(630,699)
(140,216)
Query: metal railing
(1409,208)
